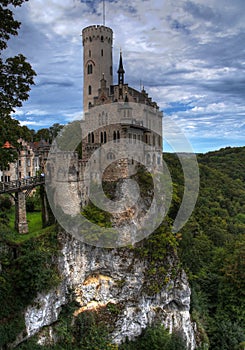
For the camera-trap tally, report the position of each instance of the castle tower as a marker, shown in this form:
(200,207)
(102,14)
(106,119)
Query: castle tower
(97,61)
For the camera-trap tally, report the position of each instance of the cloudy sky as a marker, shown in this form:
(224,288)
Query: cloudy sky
(190,55)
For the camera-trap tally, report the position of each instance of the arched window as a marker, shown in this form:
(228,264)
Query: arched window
(153,140)
(89,138)
(110,155)
(105,137)
(92,137)
(102,38)
(90,90)
(118,136)
(102,52)
(101,137)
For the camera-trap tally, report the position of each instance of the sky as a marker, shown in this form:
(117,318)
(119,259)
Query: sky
(188,54)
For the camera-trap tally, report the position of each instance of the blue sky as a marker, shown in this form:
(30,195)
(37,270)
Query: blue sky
(190,56)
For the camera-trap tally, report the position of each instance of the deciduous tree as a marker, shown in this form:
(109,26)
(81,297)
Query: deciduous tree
(16,78)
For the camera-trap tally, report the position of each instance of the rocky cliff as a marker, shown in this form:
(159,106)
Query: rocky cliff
(99,277)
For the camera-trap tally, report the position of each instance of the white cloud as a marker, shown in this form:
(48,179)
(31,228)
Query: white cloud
(185,52)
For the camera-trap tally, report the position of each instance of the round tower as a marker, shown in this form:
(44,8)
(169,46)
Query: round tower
(97,61)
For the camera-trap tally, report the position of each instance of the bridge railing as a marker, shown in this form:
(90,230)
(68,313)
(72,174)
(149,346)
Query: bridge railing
(16,185)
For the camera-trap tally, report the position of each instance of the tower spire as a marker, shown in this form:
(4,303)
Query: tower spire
(121,70)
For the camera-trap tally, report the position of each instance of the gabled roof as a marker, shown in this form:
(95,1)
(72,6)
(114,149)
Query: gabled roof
(7,145)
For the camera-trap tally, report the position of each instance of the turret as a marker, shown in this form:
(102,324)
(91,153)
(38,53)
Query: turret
(120,71)
(97,61)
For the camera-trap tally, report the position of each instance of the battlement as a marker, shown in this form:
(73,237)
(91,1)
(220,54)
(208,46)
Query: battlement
(97,32)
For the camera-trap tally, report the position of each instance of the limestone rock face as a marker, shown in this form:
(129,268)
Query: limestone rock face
(100,277)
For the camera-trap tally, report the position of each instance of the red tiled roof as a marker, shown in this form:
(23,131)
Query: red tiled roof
(7,145)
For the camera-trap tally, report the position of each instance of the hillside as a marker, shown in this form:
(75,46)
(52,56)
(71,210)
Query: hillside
(211,248)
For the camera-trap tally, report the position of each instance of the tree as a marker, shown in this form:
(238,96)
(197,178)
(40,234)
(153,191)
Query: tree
(16,77)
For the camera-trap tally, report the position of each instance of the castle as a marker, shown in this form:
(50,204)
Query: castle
(114,113)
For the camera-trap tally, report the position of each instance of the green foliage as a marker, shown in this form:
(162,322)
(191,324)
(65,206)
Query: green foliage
(155,338)
(16,77)
(27,269)
(48,134)
(224,334)
(89,333)
(33,202)
(156,249)
(5,203)
(96,215)
(212,246)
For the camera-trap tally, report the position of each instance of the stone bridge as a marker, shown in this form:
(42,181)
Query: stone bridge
(20,190)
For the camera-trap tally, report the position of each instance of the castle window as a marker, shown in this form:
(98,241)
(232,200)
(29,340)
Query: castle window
(89,53)
(105,137)
(102,38)
(90,68)
(148,159)
(154,140)
(110,155)
(89,138)
(89,105)
(134,136)
(114,136)
(90,90)
(90,39)
(110,70)
(154,159)
(130,138)
(118,136)
(102,52)
(159,141)
(101,137)
(92,137)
